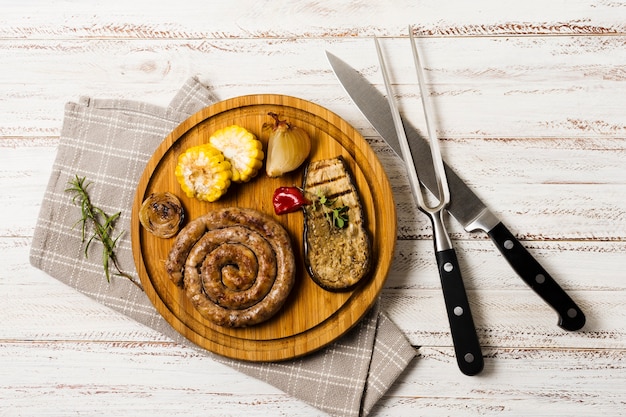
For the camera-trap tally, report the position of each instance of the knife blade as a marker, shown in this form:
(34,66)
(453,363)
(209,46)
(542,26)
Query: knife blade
(465,206)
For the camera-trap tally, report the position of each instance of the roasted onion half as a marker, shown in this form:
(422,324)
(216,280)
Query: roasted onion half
(162,214)
(287,147)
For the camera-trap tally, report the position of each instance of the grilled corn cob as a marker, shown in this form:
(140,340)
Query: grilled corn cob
(203,172)
(242,149)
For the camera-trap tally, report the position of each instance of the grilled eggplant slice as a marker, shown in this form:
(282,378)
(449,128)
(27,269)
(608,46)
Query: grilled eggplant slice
(337,251)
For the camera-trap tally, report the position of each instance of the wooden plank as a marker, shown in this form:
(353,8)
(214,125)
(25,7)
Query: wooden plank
(509,319)
(580,200)
(100,378)
(576,265)
(507,313)
(250,19)
(485,87)
(93,378)
(514,381)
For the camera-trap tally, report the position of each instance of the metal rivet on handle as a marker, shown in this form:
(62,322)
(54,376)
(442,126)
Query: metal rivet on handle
(458,311)
(571,313)
(469,358)
(540,279)
(508,244)
(448,267)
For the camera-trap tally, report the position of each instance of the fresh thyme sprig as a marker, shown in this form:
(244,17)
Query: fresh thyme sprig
(102,224)
(336,216)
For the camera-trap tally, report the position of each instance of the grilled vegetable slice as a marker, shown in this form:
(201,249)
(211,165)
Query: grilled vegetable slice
(337,253)
(162,214)
(203,172)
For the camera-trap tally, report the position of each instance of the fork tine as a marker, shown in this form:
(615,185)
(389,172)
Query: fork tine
(440,172)
(402,139)
(444,194)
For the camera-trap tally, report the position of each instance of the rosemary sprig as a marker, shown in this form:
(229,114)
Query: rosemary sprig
(336,216)
(102,224)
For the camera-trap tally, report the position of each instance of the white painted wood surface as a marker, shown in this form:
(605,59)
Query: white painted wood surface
(530,99)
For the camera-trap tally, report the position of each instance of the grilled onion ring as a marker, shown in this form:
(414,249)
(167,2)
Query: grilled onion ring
(162,214)
(236,266)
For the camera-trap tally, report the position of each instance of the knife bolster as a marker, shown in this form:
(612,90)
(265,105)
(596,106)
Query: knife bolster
(485,221)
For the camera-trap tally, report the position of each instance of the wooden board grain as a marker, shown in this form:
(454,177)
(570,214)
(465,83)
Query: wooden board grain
(311,317)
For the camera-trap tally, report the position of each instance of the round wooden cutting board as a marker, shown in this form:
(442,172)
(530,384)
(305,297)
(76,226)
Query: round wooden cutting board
(312,317)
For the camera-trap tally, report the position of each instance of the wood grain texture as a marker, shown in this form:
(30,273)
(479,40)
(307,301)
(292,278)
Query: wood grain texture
(309,18)
(529,98)
(550,87)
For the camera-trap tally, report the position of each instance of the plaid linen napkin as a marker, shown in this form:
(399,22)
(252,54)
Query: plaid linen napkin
(109,142)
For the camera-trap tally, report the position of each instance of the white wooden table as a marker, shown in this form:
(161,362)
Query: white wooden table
(531,108)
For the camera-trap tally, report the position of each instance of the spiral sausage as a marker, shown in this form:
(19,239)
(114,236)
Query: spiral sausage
(236,265)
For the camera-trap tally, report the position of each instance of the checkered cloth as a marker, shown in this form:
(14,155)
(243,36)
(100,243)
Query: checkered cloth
(109,142)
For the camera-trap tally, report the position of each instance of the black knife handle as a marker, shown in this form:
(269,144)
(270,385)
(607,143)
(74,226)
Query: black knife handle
(571,316)
(466,346)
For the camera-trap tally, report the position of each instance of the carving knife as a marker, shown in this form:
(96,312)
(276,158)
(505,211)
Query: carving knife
(465,206)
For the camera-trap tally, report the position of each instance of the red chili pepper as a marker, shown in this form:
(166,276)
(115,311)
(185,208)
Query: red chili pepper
(288,200)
